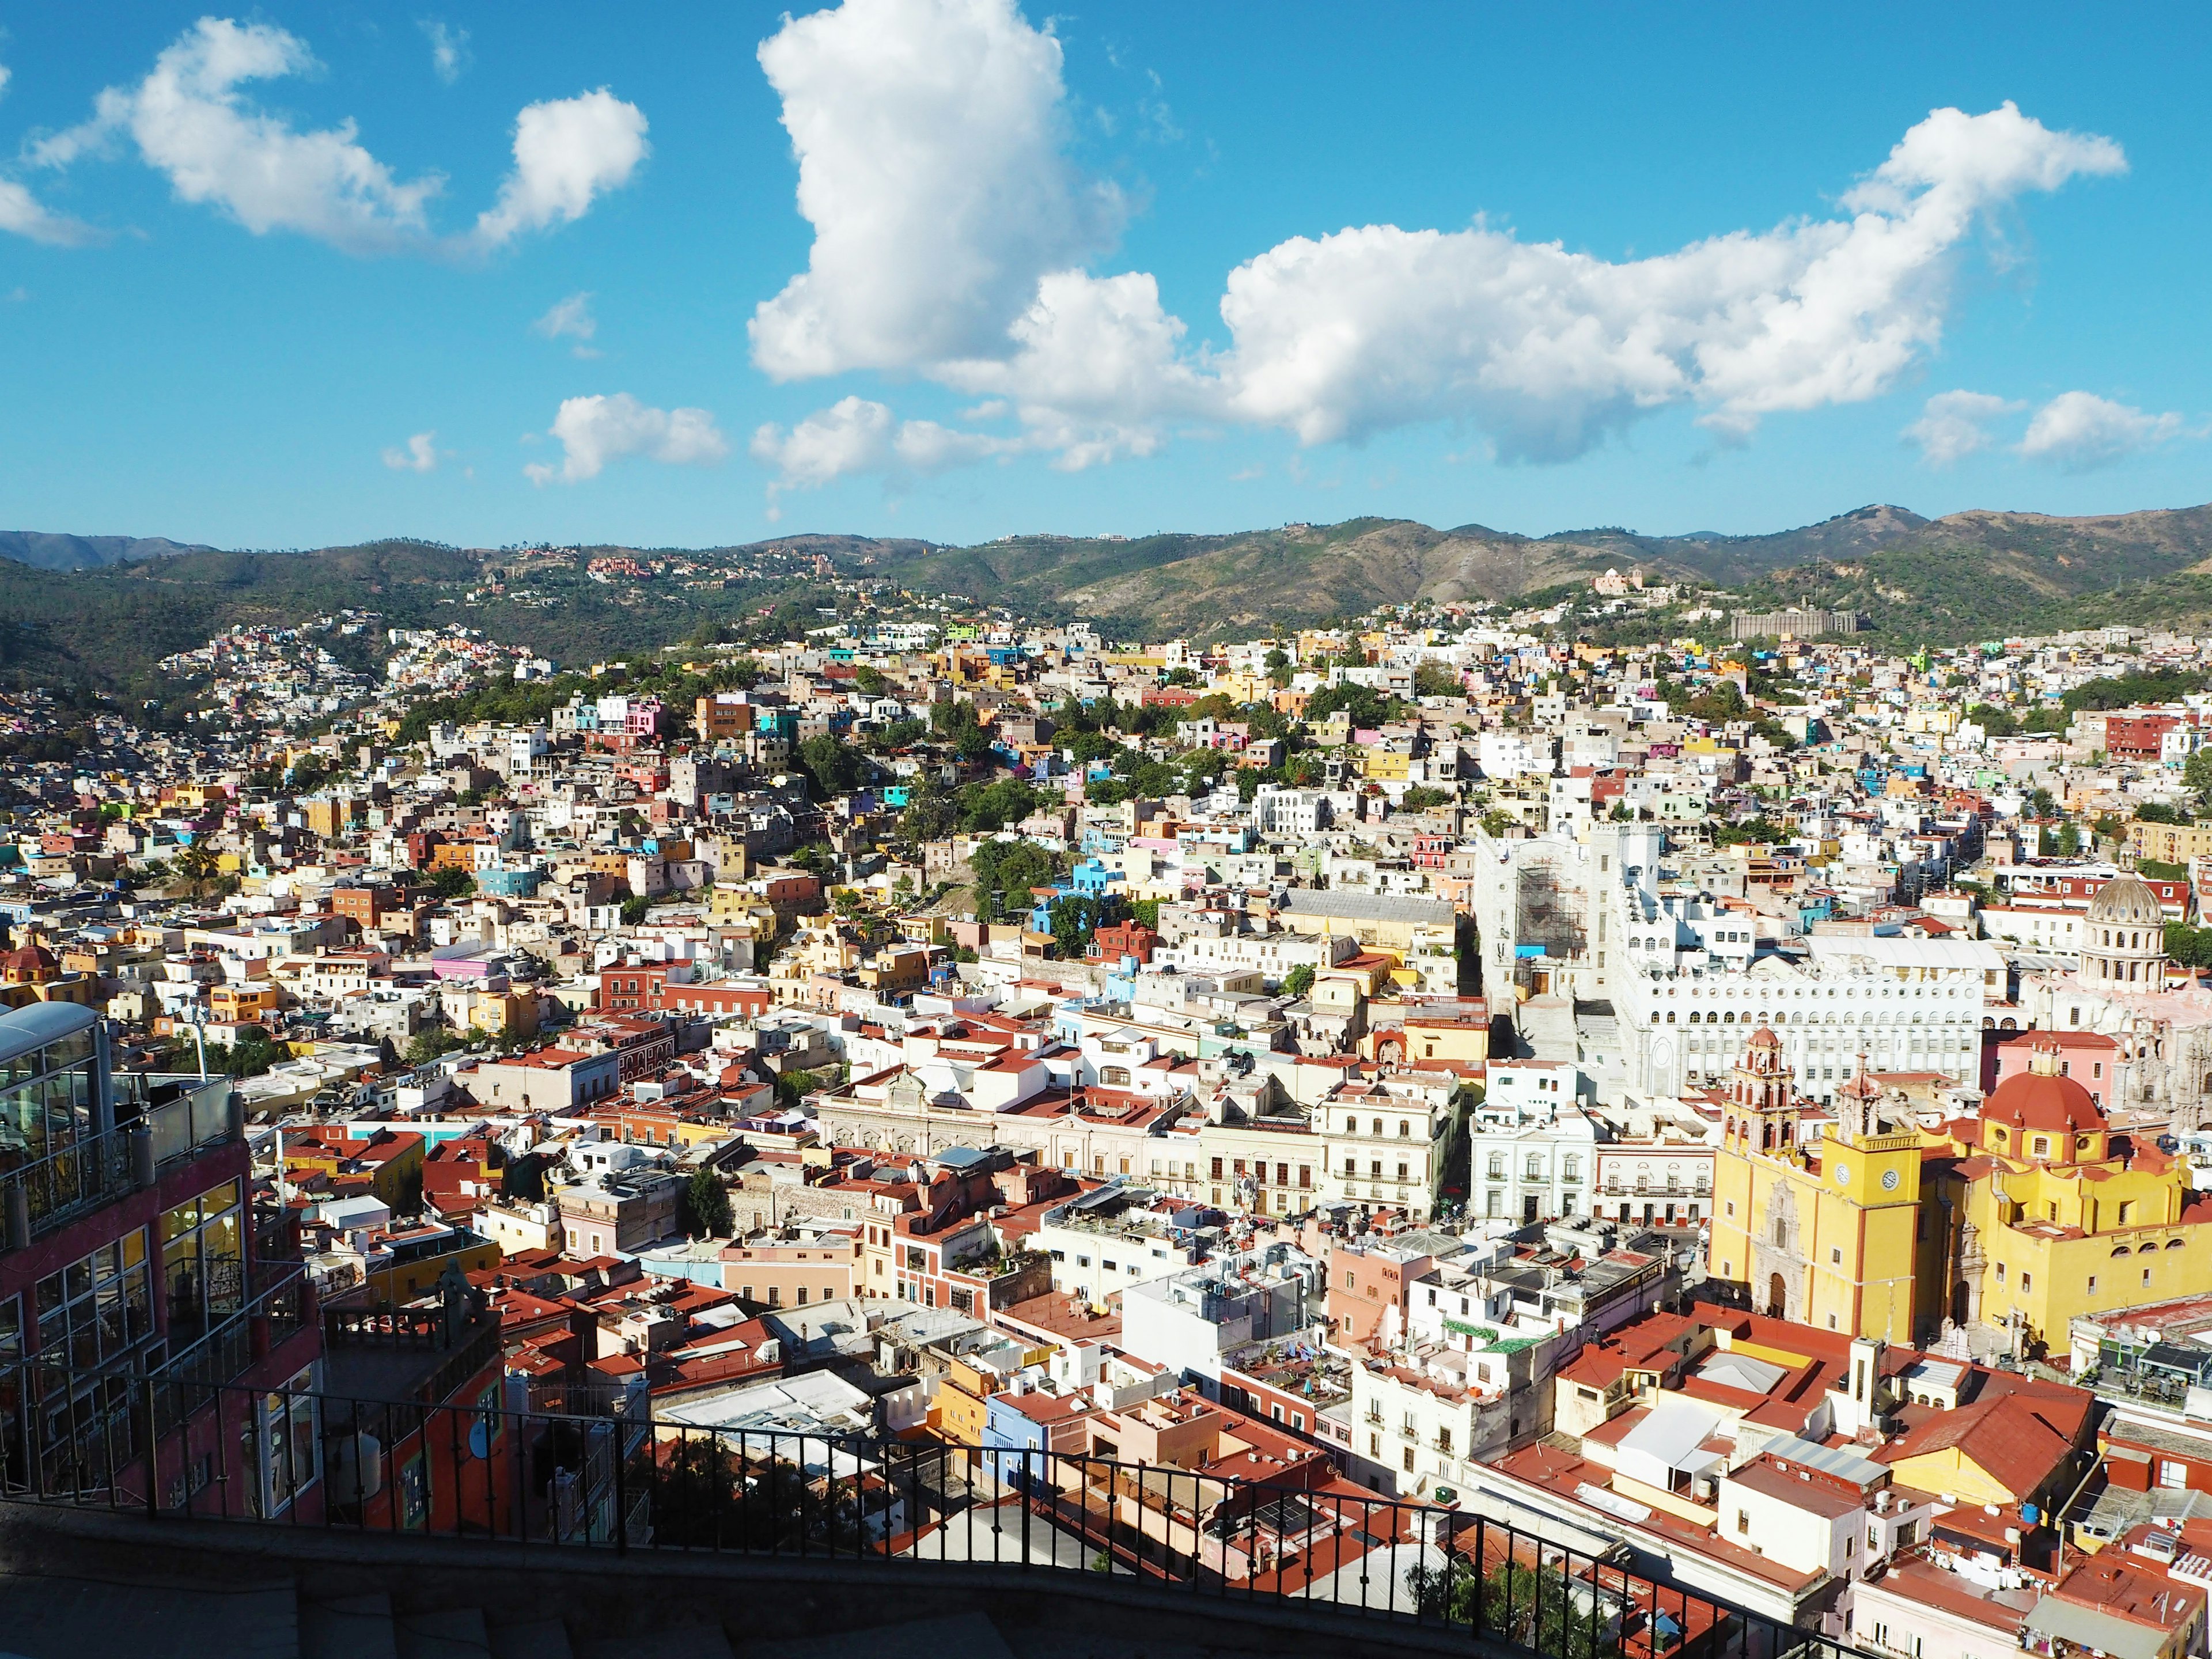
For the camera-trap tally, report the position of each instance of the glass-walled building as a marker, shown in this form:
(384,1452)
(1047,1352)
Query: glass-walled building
(131,1281)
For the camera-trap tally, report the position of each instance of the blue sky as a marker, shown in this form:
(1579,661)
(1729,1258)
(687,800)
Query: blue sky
(225,320)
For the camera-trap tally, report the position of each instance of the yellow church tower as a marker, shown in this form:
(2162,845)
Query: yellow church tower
(1821,1229)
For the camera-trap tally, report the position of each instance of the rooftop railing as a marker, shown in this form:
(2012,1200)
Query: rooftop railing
(622,1484)
(176,1120)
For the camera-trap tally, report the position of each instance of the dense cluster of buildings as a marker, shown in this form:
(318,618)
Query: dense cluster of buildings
(1741,1109)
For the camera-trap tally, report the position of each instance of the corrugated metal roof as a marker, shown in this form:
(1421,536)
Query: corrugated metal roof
(1838,1461)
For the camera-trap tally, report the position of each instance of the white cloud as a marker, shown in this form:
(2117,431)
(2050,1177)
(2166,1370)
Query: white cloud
(21,214)
(567,151)
(1548,351)
(928,138)
(2079,432)
(190,121)
(571,318)
(1955,424)
(597,429)
(857,435)
(950,234)
(450,57)
(420,454)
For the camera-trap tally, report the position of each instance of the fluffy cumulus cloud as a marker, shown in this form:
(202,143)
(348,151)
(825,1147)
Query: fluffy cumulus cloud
(568,151)
(418,454)
(952,239)
(858,434)
(928,137)
(1956,424)
(192,119)
(2080,432)
(594,430)
(1548,351)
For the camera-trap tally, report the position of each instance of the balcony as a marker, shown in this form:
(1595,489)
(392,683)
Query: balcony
(176,1119)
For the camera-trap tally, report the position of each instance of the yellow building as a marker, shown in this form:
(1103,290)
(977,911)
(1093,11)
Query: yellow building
(1823,1229)
(2059,1215)
(2169,843)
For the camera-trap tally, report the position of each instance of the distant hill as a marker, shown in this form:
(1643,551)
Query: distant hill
(107,608)
(1982,569)
(45,551)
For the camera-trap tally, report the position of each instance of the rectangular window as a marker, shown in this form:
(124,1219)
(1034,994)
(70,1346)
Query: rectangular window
(2172,1475)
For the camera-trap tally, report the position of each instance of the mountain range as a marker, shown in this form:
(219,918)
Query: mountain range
(106,608)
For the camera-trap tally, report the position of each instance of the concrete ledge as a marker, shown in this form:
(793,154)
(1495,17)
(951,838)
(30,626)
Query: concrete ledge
(758,1600)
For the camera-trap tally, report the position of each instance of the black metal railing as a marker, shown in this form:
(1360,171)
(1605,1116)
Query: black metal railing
(622,1482)
(72,1180)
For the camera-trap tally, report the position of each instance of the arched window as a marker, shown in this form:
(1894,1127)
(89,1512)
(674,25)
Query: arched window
(1572,1170)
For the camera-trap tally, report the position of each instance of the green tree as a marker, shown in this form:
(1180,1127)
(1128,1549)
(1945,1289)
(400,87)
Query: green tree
(1421,796)
(1538,1609)
(986,808)
(1074,919)
(1005,872)
(198,866)
(1298,981)
(834,764)
(930,814)
(871,681)
(2197,771)
(1434,679)
(452,883)
(2190,947)
(431,1041)
(706,1205)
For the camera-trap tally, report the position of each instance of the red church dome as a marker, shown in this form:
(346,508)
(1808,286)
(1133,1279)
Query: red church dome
(2041,1098)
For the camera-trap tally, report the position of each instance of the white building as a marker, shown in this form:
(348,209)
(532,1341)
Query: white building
(1532,1144)
(1383,1143)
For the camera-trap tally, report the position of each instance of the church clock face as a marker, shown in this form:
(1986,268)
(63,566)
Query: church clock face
(1889,1179)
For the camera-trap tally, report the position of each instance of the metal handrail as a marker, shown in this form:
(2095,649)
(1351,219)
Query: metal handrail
(629,1483)
(37,1197)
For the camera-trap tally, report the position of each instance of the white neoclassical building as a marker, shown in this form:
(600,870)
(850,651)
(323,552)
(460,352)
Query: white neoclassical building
(2124,989)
